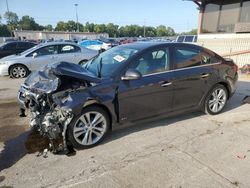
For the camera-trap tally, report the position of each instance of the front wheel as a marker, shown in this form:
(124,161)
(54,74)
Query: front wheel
(90,128)
(216,100)
(18,71)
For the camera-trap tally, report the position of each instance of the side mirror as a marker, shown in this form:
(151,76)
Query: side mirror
(132,74)
(34,55)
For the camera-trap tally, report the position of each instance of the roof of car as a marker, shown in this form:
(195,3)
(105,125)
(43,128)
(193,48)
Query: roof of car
(145,45)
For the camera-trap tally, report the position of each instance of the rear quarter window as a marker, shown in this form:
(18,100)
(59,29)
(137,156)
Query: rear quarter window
(187,57)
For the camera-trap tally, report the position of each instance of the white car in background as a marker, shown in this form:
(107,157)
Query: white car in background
(20,65)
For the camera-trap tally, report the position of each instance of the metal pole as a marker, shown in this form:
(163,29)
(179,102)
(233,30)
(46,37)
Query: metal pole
(7,6)
(8,10)
(77,18)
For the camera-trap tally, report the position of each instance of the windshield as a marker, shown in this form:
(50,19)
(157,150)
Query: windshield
(109,61)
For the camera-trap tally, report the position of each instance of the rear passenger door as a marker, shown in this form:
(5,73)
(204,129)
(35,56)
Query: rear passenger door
(70,53)
(191,77)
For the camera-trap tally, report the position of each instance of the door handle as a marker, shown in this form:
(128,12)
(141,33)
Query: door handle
(205,75)
(165,84)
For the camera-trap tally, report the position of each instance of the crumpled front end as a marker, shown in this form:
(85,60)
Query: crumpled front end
(43,94)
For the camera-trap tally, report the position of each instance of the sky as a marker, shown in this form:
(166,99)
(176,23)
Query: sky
(178,14)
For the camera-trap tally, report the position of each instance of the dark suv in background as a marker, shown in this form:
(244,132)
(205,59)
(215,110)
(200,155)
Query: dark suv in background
(15,47)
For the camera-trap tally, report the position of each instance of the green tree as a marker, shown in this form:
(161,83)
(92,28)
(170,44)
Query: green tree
(11,18)
(150,32)
(112,29)
(161,31)
(100,28)
(61,26)
(170,31)
(48,27)
(28,23)
(0,19)
(4,31)
(89,27)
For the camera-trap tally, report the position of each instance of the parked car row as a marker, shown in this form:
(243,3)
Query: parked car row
(21,64)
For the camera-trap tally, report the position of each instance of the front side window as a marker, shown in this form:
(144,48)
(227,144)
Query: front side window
(186,57)
(69,49)
(47,50)
(152,62)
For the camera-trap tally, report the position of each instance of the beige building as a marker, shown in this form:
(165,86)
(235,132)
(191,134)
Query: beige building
(57,35)
(224,27)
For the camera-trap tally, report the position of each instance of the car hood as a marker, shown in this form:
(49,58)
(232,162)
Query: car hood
(11,57)
(48,79)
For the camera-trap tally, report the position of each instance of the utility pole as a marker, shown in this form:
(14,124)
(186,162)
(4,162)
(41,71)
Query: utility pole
(77,18)
(7,6)
(8,10)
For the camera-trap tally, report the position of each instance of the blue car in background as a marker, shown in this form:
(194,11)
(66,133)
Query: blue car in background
(95,45)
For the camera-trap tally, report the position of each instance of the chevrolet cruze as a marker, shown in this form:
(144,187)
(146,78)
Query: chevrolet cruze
(125,84)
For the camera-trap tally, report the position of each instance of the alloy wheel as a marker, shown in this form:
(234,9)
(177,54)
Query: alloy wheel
(19,72)
(89,128)
(217,100)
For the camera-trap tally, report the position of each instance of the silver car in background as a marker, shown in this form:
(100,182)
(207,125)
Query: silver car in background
(20,65)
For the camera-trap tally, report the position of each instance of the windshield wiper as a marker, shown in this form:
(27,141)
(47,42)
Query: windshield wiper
(99,74)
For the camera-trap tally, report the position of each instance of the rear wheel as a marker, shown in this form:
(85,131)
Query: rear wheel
(18,71)
(90,128)
(216,100)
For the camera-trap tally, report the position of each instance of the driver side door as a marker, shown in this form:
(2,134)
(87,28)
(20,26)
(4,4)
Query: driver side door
(152,94)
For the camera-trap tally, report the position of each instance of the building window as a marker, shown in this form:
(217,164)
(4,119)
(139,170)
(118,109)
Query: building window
(245,12)
(210,18)
(230,12)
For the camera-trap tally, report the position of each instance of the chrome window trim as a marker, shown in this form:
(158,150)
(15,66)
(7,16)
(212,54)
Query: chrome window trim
(180,69)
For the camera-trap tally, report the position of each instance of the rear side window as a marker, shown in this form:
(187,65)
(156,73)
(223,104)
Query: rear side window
(209,58)
(69,49)
(187,57)
(189,38)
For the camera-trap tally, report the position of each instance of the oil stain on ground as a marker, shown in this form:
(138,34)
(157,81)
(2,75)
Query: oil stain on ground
(15,137)
(16,148)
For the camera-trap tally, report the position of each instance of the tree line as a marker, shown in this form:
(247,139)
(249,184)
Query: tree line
(28,23)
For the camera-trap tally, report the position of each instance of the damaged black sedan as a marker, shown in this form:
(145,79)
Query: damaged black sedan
(125,84)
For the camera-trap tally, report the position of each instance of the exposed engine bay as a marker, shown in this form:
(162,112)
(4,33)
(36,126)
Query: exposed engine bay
(43,94)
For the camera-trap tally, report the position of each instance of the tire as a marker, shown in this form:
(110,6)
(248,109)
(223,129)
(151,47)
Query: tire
(82,62)
(216,100)
(83,133)
(19,71)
